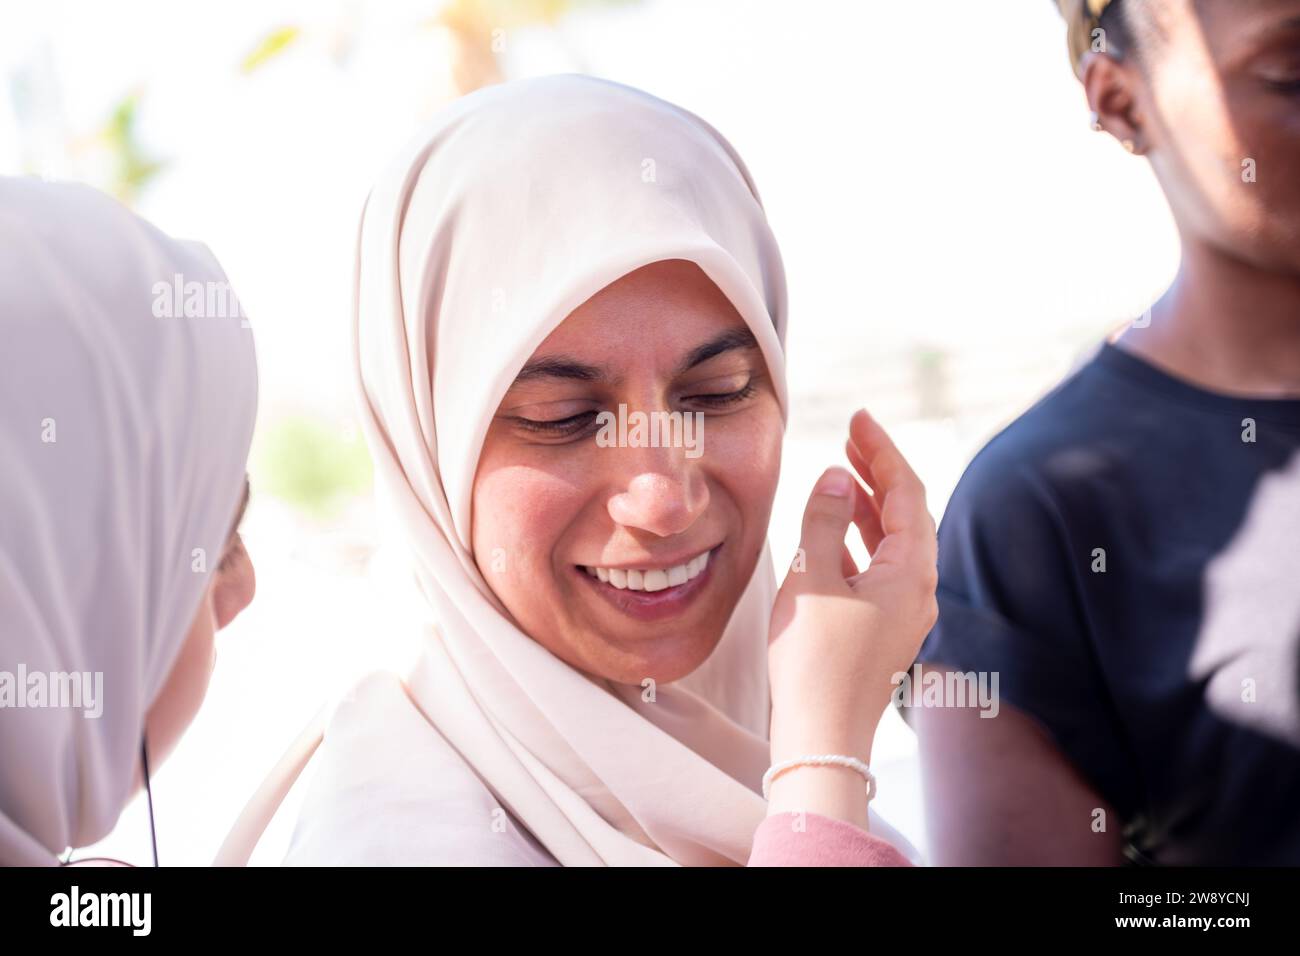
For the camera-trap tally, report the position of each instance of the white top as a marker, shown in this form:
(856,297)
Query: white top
(400,804)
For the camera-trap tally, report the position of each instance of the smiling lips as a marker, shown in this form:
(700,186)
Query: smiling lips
(651,579)
(651,594)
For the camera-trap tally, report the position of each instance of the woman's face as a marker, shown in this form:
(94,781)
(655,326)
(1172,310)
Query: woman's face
(229,591)
(1221,99)
(564,514)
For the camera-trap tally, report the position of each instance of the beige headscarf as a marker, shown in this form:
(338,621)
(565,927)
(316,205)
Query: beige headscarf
(1082,17)
(125,421)
(516,205)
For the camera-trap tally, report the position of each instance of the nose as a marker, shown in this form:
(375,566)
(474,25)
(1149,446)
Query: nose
(664,496)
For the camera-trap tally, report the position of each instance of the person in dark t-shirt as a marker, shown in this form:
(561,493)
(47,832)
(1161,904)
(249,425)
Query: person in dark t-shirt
(1126,559)
(1123,562)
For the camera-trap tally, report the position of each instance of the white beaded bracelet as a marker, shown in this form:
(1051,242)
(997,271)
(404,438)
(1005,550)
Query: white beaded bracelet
(825,760)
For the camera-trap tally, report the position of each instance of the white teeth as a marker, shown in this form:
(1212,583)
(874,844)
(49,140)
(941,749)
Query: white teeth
(655,579)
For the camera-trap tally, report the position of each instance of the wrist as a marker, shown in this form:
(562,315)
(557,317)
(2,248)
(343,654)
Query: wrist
(798,735)
(837,792)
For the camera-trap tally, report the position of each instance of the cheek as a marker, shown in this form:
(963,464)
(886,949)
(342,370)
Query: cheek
(1230,144)
(520,516)
(1200,133)
(187,684)
(1270,131)
(234,589)
(745,457)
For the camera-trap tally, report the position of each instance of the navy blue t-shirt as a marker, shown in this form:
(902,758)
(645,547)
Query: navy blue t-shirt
(1126,556)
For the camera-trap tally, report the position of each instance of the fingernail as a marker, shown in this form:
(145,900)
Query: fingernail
(837,483)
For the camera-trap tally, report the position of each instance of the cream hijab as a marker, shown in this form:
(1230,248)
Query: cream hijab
(124,437)
(516,205)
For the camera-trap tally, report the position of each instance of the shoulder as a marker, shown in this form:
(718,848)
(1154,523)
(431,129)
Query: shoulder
(388,789)
(1013,534)
(1068,438)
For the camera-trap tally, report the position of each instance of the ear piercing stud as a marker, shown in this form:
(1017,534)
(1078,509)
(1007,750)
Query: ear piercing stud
(1128,143)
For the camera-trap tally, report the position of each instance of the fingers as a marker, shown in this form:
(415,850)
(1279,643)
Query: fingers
(866,512)
(899,492)
(825,520)
(848,567)
(888,468)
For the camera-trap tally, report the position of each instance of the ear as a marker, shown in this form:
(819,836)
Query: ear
(234,584)
(1115,93)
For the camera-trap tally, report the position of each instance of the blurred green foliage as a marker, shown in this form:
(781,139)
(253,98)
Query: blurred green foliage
(132,169)
(269,47)
(314,464)
(473,24)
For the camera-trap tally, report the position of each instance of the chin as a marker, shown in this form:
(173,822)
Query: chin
(662,660)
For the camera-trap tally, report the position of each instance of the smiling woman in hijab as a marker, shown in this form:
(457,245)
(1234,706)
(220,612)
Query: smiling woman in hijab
(594,683)
(124,437)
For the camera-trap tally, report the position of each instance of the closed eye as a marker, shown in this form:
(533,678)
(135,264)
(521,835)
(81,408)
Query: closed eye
(576,425)
(560,426)
(725,399)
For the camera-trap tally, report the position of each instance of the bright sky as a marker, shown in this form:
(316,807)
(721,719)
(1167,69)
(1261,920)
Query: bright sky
(927,167)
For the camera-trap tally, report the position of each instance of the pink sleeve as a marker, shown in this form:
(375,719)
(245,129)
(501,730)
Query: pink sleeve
(810,839)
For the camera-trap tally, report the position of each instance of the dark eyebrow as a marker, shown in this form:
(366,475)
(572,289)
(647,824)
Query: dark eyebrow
(559,367)
(562,367)
(726,342)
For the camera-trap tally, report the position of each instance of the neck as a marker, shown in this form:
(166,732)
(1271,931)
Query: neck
(1226,326)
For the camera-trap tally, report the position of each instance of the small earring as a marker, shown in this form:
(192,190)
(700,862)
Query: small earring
(1096,122)
(1129,145)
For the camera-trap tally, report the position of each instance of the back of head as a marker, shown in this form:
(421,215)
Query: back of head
(128,386)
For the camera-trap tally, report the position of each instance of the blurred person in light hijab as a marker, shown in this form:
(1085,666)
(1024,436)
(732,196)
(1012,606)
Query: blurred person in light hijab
(124,431)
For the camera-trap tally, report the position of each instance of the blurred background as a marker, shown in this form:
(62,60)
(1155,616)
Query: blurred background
(956,239)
